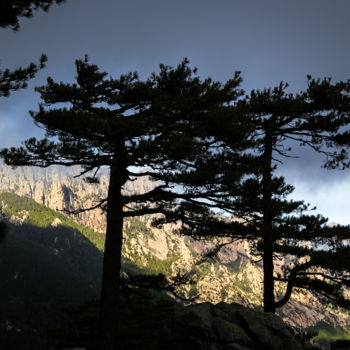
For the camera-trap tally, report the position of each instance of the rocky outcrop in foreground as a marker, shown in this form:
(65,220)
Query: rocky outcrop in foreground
(230,327)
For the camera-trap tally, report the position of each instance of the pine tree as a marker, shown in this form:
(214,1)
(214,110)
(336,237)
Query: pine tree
(11,10)
(124,124)
(257,198)
(17,79)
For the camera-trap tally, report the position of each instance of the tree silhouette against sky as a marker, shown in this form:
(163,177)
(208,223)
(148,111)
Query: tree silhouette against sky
(126,125)
(276,226)
(10,12)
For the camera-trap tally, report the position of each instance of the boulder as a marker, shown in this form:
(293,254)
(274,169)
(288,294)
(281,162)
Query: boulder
(230,327)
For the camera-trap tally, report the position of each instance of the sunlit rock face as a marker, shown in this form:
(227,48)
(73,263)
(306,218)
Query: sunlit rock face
(233,276)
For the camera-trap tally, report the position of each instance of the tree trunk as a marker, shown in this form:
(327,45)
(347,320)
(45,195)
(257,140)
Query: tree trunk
(269,300)
(110,292)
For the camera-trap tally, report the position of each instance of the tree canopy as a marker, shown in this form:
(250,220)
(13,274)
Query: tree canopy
(17,79)
(12,10)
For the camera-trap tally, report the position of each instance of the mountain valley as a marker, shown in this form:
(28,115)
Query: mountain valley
(67,249)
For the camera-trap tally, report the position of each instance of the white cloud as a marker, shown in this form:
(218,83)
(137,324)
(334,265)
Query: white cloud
(332,200)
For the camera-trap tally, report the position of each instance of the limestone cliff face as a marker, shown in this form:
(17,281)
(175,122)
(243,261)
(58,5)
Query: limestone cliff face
(58,188)
(232,277)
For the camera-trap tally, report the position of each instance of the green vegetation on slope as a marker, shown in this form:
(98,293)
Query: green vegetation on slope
(155,265)
(135,227)
(49,264)
(41,216)
(35,216)
(328,334)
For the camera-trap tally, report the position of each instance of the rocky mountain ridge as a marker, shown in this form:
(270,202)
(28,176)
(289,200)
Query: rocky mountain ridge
(232,277)
(59,188)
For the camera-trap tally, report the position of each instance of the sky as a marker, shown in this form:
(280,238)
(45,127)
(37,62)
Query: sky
(268,41)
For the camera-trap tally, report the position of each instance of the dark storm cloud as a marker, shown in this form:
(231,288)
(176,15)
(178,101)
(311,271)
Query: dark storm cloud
(269,41)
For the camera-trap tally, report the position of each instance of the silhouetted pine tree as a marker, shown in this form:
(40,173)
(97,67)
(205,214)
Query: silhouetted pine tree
(11,10)
(17,79)
(124,124)
(275,225)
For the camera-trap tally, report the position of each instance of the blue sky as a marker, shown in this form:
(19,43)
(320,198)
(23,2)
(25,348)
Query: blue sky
(269,41)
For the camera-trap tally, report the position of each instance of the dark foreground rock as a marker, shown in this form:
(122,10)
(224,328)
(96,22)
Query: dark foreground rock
(230,327)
